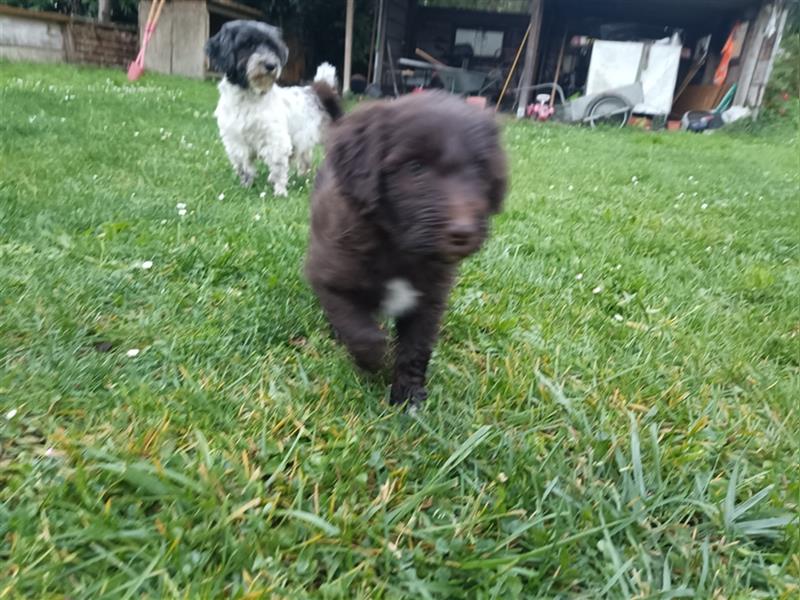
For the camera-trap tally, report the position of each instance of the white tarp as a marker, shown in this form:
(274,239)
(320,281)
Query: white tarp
(613,65)
(616,64)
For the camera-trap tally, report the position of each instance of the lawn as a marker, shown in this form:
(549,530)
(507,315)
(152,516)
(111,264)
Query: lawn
(613,402)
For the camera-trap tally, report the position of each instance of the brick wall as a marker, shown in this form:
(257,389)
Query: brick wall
(52,37)
(106,45)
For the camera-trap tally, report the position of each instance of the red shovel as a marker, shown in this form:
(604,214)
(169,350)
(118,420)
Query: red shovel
(136,68)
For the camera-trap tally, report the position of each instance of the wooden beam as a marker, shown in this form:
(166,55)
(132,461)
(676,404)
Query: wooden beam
(749,57)
(14,11)
(348,47)
(531,57)
(234,10)
(776,45)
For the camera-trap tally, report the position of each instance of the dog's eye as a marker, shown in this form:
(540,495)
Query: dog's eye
(415,167)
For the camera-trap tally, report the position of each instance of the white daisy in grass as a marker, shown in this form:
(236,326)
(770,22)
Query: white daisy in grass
(598,289)
(221,196)
(394,550)
(132,353)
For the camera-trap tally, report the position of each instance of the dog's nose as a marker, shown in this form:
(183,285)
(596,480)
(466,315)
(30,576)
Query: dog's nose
(270,66)
(460,235)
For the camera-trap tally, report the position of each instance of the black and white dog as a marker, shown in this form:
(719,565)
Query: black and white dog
(257,118)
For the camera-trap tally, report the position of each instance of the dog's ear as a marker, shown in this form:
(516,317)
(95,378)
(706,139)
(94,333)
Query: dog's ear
(220,52)
(498,179)
(356,155)
(282,50)
(275,37)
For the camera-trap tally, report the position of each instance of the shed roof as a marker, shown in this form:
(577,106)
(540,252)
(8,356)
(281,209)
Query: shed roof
(665,12)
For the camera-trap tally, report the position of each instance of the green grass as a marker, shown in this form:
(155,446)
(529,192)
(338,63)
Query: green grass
(613,402)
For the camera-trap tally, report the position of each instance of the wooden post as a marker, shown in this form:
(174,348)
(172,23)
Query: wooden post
(531,56)
(104,11)
(348,47)
(377,72)
(372,43)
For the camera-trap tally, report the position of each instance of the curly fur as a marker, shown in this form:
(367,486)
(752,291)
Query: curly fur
(257,118)
(404,194)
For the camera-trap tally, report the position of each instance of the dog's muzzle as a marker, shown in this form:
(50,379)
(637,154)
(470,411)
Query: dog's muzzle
(262,71)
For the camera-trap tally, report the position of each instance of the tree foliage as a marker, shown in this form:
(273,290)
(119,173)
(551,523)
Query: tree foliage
(121,10)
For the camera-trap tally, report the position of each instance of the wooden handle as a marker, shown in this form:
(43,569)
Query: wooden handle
(158,13)
(513,67)
(151,12)
(558,69)
(428,57)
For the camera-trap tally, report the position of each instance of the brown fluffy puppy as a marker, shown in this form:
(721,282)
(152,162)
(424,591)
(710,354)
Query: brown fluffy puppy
(404,194)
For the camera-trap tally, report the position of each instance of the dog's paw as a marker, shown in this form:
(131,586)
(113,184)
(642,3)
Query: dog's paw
(367,347)
(370,355)
(247,178)
(411,394)
(281,192)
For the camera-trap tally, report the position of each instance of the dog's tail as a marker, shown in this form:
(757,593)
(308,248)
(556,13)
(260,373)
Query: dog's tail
(324,87)
(326,72)
(329,99)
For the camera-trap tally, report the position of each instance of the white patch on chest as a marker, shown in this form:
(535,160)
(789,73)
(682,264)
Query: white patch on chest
(400,298)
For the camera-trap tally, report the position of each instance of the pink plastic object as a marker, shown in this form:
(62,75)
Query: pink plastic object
(136,68)
(541,109)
